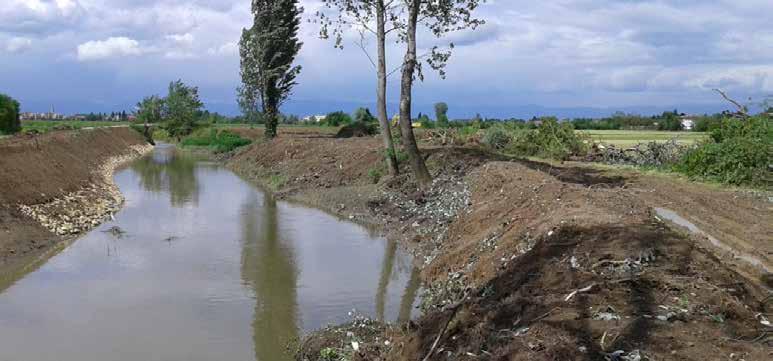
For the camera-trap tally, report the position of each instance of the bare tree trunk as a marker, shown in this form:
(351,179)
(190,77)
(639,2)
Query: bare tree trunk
(386,131)
(406,128)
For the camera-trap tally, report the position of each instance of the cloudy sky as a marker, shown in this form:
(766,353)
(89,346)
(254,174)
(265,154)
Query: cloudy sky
(572,57)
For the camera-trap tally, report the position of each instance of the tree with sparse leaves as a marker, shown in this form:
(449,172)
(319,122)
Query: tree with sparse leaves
(439,17)
(268,50)
(361,15)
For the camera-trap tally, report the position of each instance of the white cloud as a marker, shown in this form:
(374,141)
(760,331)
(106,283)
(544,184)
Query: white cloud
(182,39)
(111,47)
(227,49)
(39,16)
(528,52)
(18,45)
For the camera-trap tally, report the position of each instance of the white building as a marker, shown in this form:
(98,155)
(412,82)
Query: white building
(315,118)
(687,123)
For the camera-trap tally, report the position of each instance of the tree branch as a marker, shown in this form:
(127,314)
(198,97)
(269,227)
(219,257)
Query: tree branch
(361,44)
(741,109)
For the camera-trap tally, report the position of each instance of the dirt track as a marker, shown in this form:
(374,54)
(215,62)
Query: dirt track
(59,174)
(502,268)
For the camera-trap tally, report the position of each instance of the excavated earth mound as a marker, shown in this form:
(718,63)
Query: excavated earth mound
(525,260)
(57,185)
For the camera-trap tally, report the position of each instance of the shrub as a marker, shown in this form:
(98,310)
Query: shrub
(358,129)
(738,153)
(9,115)
(335,119)
(550,139)
(218,141)
(497,137)
(363,115)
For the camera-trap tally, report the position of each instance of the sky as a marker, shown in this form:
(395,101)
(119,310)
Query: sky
(562,57)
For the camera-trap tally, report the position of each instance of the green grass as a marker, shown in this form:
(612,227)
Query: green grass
(219,141)
(626,138)
(43,126)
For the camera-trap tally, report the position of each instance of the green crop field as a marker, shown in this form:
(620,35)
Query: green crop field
(625,138)
(43,126)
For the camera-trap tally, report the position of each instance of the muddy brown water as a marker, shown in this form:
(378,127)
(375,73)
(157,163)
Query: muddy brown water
(209,268)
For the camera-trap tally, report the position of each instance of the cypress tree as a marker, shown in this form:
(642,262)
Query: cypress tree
(268,50)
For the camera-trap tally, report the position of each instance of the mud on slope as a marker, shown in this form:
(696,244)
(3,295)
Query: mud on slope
(529,261)
(57,185)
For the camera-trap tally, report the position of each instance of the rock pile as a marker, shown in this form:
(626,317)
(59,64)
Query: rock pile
(82,210)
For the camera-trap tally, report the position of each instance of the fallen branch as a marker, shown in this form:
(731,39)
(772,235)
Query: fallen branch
(581,290)
(741,109)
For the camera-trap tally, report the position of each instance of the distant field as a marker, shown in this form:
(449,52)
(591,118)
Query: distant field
(283,127)
(43,126)
(627,138)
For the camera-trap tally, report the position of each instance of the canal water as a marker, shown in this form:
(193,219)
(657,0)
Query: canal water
(206,267)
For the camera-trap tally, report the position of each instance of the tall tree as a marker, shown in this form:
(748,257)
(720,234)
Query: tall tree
(441,114)
(361,14)
(9,115)
(267,51)
(182,105)
(440,17)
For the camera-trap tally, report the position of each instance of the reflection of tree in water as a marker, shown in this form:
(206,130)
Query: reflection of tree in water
(168,170)
(268,267)
(388,274)
(409,295)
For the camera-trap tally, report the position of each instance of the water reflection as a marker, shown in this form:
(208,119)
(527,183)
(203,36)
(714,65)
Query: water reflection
(210,268)
(389,274)
(168,170)
(269,269)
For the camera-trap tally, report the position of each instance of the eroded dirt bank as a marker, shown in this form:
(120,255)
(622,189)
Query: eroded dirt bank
(56,186)
(527,261)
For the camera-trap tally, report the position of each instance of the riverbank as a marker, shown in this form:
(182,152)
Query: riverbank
(56,186)
(528,260)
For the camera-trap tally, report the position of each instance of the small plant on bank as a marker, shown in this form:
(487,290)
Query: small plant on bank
(375,175)
(329,354)
(276,181)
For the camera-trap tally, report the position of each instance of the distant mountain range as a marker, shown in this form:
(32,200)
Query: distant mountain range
(304,107)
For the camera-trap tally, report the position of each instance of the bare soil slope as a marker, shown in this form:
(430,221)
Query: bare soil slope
(39,169)
(528,261)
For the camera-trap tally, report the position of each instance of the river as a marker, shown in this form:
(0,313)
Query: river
(205,267)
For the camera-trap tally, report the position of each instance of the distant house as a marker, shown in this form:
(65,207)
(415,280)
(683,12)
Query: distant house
(687,122)
(314,118)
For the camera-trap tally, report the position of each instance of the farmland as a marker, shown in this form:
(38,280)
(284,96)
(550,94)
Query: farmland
(43,126)
(625,138)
